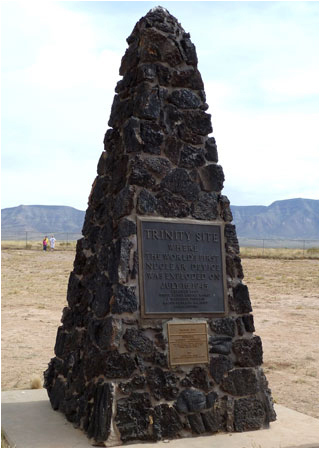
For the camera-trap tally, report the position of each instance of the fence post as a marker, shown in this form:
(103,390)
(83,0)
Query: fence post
(26,239)
(67,238)
(304,245)
(263,247)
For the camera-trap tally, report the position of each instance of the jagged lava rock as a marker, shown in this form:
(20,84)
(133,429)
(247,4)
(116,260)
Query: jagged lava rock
(110,373)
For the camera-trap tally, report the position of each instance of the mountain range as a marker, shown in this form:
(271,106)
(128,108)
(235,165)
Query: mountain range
(296,218)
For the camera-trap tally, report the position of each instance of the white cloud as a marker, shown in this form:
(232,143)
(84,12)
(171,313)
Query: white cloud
(296,84)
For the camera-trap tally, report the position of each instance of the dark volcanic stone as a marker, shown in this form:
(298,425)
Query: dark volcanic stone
(166,422)
(146,202)
(169,205)
(124,300)
(67,342)
(147,102)
(162,384)
(147,72)
(178,181)
(219,366)
(197,378)
(206,208)
(220,345)
(226,213)
(240,326)
(191,157)
(157,47)
(190,400)
(189,51)
(137,383)
(184,99)
(105,333)
(158,165)
(266,397)
(124,202)
(129,60)
(232,244)
(211,399)
(248,323)
(132,417)
(137,341)
(240,382)
(196,423)
(131,136)
(135,266)
(240,303)
(121,110)
(118,365)
(101,296)
(99,427)
(126,228)
(189,136)
(248,352)
(198,121)
(187,78)
(210,421)
(172,149)
(139,174)
(212,178)
(57,394)
(151,134)
(156,358)
(234,267)
(224,326)
(211,150)
(248,414)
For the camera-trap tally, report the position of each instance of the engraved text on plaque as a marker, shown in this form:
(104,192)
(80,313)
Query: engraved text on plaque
(188,343)
(181,267)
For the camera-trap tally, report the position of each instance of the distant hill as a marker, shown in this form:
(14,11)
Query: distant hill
(296,218)
(15,221)
(288,219)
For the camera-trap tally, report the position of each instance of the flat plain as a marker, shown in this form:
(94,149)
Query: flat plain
(284,295)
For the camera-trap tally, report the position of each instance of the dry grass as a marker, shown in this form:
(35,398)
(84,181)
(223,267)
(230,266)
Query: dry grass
(284,295)
(279,253)
(36,245)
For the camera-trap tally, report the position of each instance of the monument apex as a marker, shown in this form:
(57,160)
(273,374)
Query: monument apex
(157,339)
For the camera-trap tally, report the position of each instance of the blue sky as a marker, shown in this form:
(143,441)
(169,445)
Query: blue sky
(60,64)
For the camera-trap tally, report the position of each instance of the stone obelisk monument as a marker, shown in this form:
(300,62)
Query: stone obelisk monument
(157,340)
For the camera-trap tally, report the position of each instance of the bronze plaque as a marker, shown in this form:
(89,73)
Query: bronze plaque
(181,268)
(188,343)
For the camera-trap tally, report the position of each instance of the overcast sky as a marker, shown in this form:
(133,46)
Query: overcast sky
(60,64)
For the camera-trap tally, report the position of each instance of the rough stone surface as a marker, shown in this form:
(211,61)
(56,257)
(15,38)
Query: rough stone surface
(220,345)
(191,400)
(110,369)
(240,382)
(219,366)
(132,417)
(248,414)
(248,352)
(166,422)
(224,326)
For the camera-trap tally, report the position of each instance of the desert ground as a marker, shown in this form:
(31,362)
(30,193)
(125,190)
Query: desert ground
(284,295)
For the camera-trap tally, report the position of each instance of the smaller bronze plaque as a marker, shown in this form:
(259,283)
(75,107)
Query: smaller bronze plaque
(188,343)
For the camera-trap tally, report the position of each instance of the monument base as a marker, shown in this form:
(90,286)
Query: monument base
(29,421)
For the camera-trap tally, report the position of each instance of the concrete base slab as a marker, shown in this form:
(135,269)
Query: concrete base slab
(29,421)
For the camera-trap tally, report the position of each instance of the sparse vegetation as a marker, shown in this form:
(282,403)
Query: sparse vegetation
(37,246)
(279,253)
(36,383)
(283,292)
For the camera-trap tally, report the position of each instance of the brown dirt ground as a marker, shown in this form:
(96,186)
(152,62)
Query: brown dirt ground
(284,295)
